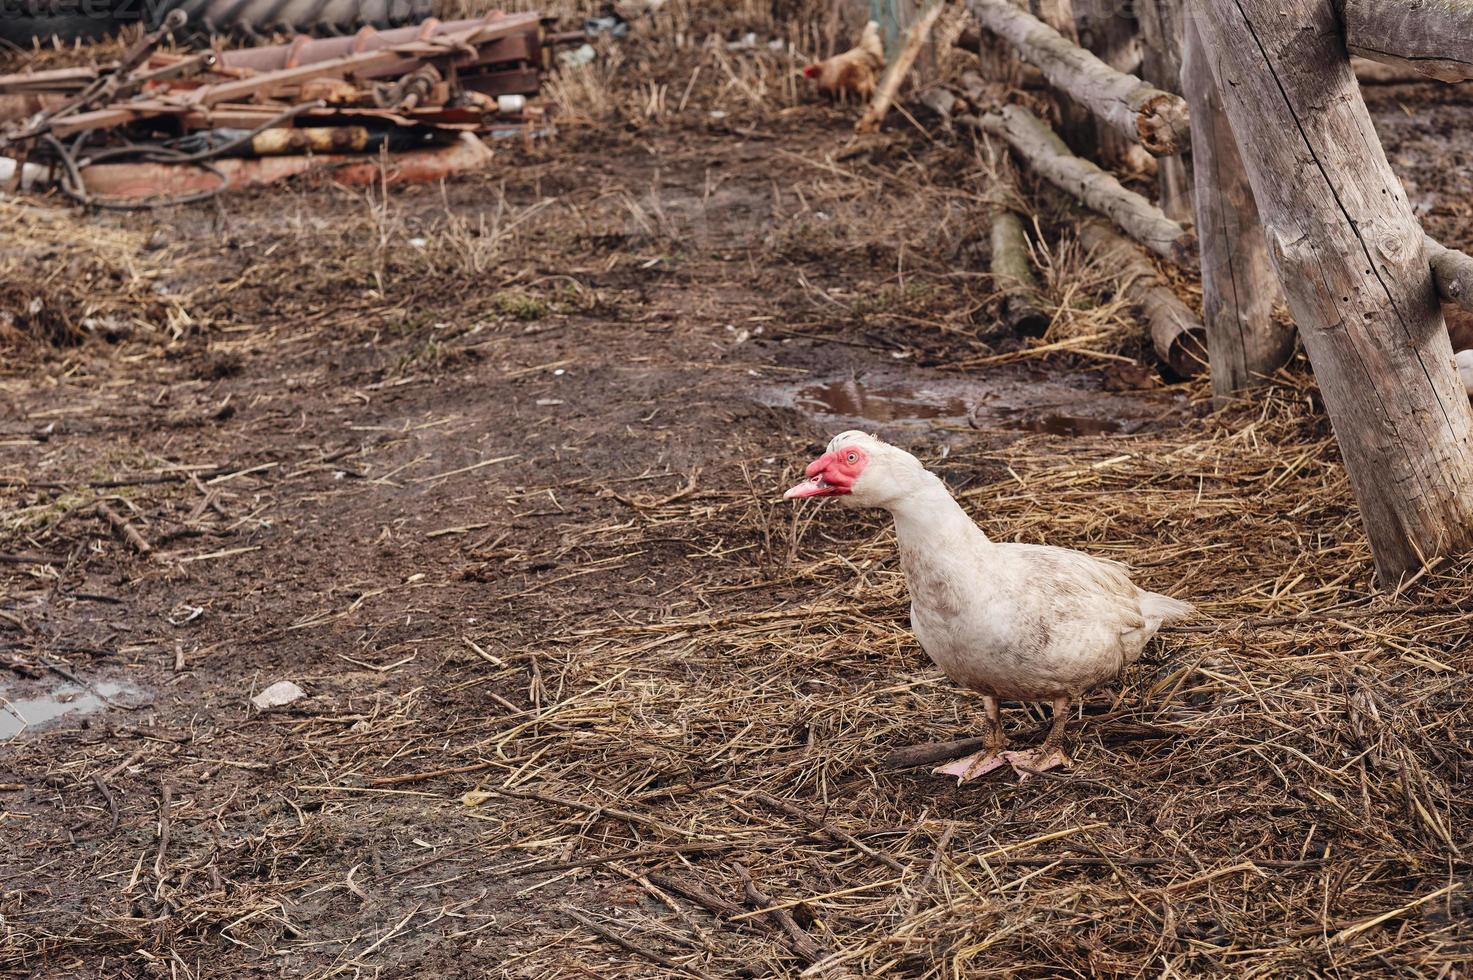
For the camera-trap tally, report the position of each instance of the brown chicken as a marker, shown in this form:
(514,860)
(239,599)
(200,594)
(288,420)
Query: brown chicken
(854,72)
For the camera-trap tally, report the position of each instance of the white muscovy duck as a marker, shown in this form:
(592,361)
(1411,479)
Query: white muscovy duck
(1020,621)
(1464,361)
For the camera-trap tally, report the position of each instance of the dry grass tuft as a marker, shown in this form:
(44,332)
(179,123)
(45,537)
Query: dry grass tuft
(62,281)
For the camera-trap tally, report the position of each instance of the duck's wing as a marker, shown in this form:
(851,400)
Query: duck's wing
(1083,588)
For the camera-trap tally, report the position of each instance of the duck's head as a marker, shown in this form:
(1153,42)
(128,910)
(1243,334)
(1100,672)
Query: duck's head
(864,471)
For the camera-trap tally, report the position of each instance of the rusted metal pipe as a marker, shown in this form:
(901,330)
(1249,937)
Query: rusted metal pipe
(136,181)
(278,56)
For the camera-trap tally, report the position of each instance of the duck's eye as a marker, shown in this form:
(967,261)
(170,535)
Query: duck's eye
(852,458)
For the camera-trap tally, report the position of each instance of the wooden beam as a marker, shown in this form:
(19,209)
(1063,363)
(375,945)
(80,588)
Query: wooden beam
(1176,333)
(1038,146)
(1453,272)
(1351,257)
(1433,38)
(1155,119)
(1239,286)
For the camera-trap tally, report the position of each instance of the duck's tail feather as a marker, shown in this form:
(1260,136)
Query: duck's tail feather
(1160,610)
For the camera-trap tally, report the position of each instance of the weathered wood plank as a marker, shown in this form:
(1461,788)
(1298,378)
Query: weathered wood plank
(1351,257)
(1239,286)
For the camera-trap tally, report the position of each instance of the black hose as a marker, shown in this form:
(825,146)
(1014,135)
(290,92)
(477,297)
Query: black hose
(143,151)
(73,186)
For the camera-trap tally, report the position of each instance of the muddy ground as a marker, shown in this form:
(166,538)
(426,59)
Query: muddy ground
(493,472)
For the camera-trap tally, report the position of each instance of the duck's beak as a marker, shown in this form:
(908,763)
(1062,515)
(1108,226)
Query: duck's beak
(816,485)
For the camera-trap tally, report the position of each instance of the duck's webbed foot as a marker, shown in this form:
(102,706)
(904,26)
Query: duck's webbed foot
(1030,762)
(974,766)
(991,757)
(1049,755)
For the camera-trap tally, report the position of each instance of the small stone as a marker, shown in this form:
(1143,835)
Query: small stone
(278,695)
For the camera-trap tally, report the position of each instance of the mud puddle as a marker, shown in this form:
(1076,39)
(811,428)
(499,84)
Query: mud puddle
(1016,404)
(35,709)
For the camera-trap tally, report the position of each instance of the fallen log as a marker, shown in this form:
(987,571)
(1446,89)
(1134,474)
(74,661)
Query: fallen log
(1155,119)
(1179,337)
(1043,151)
(1245,345)
(1452,271)
(1433,38)
(1352,259)
(1012,275)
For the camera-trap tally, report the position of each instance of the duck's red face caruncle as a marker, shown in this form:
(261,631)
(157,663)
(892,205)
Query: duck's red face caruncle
(832,474)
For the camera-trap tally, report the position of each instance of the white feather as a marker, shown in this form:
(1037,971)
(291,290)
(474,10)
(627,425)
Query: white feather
(1464,361)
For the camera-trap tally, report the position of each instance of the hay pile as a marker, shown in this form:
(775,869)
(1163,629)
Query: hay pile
(696,780)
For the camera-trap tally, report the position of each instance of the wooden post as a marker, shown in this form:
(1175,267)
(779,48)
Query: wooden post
(1239,286)
(1350,255)
(1161,50)
(1106,28)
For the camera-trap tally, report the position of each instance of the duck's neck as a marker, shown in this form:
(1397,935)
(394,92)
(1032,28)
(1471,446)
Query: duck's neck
(929,522)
